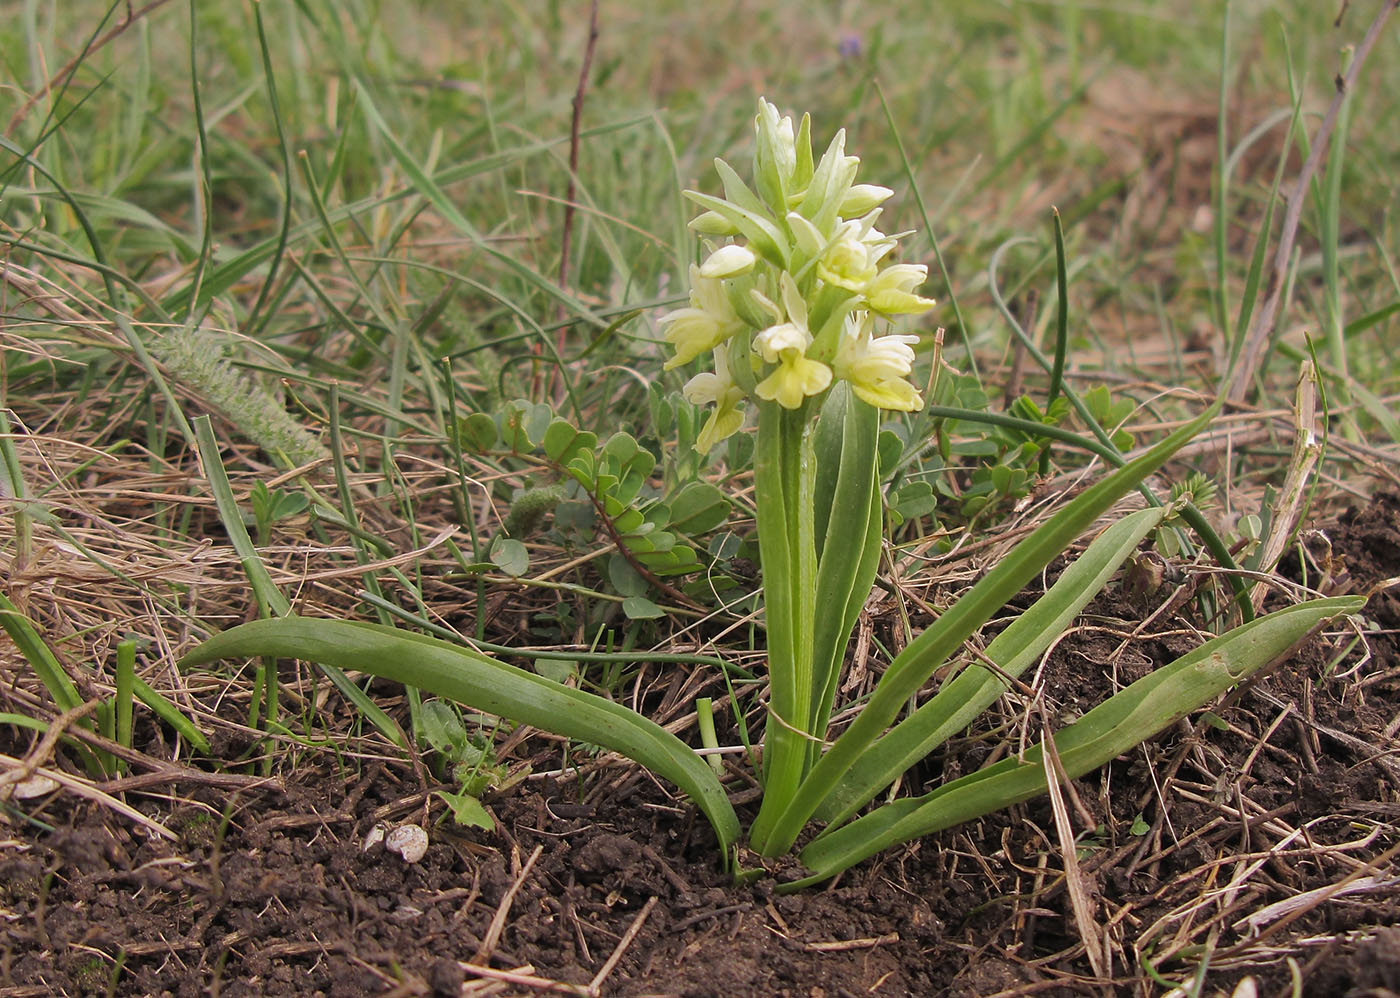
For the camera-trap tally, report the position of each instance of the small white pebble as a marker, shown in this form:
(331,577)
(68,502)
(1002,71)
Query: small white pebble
(373,837)
(409,841)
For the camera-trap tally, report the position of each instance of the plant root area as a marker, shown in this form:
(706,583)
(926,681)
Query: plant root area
(1253,841)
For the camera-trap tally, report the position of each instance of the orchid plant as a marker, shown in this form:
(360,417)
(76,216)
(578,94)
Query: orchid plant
(789,311)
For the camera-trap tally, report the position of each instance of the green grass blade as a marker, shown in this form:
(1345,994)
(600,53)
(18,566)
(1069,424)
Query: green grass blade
(959,321)
(13,491)
(1259,257)
(959,701)
(284,148)
(40,658)
(269,597)
(202,179)
(238,267)
(912,668)
(428,187)
(482,683)
(265,591)
(126,681)
(1057,371)
(1220,191)
(50,672)
(171,715)
(1106,732)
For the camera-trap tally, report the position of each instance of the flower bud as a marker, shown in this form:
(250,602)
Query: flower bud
(712,223)
(728,261)
(863,198)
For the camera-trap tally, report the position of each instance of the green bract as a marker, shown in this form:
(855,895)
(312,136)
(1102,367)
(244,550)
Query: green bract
(787,313)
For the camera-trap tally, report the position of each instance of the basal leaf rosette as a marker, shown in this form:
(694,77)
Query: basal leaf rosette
(794,284)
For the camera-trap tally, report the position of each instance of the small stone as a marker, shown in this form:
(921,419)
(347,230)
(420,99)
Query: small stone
(409,841)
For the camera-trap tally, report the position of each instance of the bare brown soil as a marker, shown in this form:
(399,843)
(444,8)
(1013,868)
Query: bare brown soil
(1259,835)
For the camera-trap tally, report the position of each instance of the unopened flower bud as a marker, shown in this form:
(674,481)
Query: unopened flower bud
(728,261)
(863,198)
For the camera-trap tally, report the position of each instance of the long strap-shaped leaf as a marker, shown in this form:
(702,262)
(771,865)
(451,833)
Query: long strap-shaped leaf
(1106,732)
(849,525)
(959,701)
(912,667)
(461,674)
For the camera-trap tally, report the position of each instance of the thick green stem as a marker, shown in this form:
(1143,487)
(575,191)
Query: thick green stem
(784,473)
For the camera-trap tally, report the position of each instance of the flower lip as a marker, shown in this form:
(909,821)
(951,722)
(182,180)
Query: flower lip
(795,378)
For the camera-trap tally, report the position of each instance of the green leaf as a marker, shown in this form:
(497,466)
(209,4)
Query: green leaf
(641,608)
(850,551)
(976,687)
(41,659)
(477,433)
(1115,726)
(627,520)
(563,441)
(827,440)
(484,684)
(467,810)
(624,577)
(557,670)
(914,500)
(510,556)
(1140,827)
(524,424)
(1214,720)
(891,448)
(270,598)
(698,508)
(442,727)
(784,476)
(763,236)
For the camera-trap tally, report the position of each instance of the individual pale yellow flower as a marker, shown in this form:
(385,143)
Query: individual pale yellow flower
(876,366)
(717,389)
(796,376)
(892,291)
(705,324)
(847,262)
